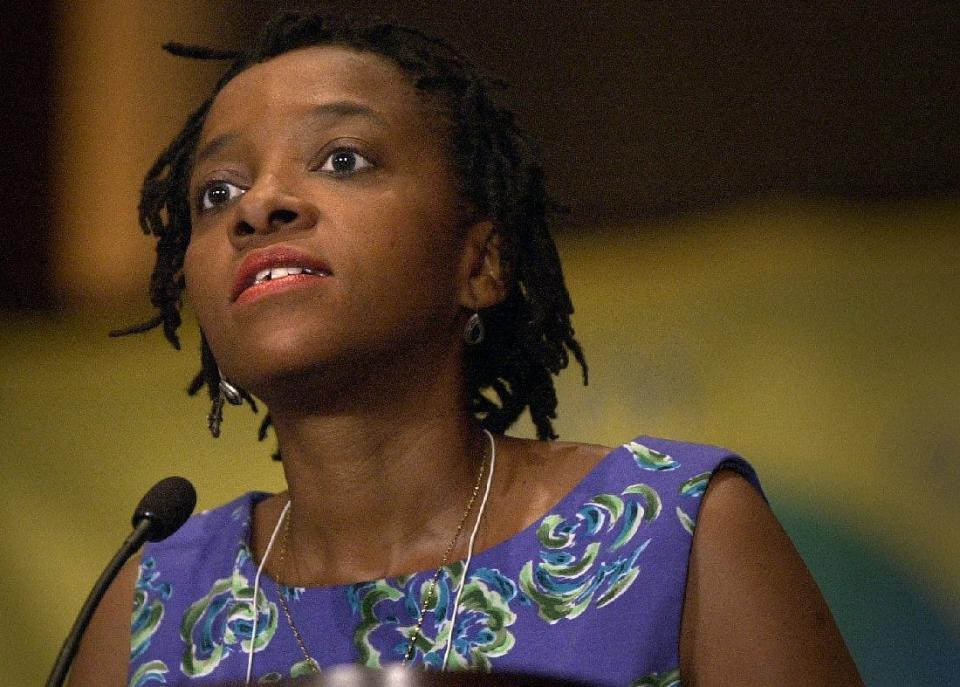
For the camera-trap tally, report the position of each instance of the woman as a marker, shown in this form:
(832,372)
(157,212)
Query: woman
(362,235)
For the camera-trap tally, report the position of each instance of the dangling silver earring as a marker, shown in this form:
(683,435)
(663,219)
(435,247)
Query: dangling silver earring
(473,331)
(230,392)
(225,390)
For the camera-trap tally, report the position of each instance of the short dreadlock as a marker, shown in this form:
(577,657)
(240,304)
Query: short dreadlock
(528,335)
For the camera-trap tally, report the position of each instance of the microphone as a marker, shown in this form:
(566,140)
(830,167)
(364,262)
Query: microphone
(165,507)
(160,513)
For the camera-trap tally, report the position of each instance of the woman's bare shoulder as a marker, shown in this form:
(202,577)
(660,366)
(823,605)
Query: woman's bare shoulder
(752,612)
(104,653)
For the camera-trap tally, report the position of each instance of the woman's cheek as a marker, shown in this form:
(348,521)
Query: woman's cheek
(190,275)
(196,277)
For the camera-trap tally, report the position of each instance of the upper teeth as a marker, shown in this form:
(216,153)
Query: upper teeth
(280,273)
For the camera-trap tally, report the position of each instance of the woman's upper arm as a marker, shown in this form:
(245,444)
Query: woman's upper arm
(752,612)
(104,654)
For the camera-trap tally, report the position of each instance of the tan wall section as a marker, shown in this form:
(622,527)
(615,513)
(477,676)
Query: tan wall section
(120,99)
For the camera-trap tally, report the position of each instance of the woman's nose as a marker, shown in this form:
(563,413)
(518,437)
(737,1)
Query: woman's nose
(267,208)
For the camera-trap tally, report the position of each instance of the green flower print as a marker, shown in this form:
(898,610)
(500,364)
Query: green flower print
(214,625)
(649,459)
(692,488)
(364,599)
(299,669)
(481,630)
(151,671)
(482,626)
(148,597)
(669,679)
(563,585)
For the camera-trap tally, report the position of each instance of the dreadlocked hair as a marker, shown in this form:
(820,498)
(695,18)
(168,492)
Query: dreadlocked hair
(529,337)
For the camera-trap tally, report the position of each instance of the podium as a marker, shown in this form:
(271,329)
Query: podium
(399,676)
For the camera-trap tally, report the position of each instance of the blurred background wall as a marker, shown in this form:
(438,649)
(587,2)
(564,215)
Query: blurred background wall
(763,249)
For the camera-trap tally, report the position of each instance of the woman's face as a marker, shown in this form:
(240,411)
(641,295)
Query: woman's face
(325,160)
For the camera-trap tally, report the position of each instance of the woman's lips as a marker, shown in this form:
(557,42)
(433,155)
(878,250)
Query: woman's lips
(275,269)
(273,286)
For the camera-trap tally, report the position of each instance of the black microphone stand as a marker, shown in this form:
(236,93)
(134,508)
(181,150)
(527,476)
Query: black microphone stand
(70,645)
(161,512)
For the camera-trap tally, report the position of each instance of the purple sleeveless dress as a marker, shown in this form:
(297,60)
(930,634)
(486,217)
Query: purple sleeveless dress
(592,592)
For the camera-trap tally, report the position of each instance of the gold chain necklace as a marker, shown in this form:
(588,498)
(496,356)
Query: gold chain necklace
(283,598)
(427,598)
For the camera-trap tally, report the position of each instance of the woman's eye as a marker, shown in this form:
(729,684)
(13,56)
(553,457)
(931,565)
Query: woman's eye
(219,193)
(345,161)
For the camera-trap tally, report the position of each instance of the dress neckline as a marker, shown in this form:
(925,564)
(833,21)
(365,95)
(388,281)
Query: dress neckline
(254,497)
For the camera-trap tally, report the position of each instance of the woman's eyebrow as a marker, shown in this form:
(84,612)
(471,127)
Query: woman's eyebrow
(342,109)
(214,147)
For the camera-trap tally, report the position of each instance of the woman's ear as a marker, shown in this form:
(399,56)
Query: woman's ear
(483,274)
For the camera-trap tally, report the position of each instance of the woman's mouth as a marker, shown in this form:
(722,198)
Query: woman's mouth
(276,269)
(275,273)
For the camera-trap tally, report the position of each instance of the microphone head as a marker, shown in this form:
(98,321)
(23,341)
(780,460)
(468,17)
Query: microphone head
(167,506)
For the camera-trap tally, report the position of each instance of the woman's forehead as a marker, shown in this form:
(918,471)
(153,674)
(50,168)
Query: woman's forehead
(297,82)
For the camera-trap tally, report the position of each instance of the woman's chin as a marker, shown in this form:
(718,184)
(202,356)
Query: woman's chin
(301,380)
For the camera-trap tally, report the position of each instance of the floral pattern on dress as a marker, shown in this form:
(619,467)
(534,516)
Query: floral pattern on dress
(303,668)
(650,459)
(151,671)
(668,679)
(692,488)
(221,622)
(562,583)
(148,597)
(482,625)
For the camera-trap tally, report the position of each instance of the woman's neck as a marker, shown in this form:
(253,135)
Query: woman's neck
(378,491)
